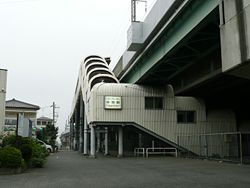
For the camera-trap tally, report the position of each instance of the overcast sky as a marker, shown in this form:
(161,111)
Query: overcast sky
(42,42)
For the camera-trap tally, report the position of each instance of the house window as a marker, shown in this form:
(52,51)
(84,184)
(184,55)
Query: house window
(153,102)
(10,121)
(186,116)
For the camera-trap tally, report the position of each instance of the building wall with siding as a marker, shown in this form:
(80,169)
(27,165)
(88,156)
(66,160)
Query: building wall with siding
(162,122)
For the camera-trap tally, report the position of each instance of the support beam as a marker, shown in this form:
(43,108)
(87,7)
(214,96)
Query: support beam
(92,141)
(106,142)
(98,136)
(71,134)
(140,140)
(120,141)
(85,137)
(81,126)
(80,149)
(77,129)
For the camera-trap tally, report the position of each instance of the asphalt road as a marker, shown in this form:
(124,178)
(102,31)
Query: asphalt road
(70,169)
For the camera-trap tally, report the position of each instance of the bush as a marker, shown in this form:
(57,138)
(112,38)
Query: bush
(32,152)
(10,157)
(26,150)
(39,155)
(9,141)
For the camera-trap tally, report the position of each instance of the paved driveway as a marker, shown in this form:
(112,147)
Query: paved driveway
(70,169)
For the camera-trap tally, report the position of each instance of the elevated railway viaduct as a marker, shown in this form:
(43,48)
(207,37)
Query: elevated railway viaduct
(201,48)
(191,55)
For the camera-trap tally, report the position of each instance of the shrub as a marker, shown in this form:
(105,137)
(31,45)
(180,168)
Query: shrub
(9,140)
(33,153)
(10,157)
(39,155)
(26,150)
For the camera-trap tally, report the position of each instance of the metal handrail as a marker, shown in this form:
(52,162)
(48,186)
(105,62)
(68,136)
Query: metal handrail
(138,151)
(163,151)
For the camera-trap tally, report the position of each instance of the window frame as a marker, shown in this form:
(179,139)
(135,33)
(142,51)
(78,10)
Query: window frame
(152,103)
(186,116)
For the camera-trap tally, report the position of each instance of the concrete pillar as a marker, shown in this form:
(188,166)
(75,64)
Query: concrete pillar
(153,145)
(106,142)
(98,136)
(71,134)
(81,126)
(85,137)
(74,137)
(77,130)
(92,141)
(140,140)
(120,142)
(80,140)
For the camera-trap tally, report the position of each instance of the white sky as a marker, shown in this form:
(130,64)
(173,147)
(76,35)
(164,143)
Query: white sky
(42,42)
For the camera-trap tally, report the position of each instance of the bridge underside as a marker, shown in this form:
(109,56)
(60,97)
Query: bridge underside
(200,49)
(194,68)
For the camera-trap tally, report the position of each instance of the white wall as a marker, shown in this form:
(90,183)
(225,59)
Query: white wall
(3,81)
(162,122)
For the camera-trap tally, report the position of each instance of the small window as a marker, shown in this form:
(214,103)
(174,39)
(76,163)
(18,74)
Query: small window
(10,121)
(158,102)
(149,103)
(153,103)
(186,116)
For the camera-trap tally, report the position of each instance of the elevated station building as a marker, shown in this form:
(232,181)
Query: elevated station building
(183,82)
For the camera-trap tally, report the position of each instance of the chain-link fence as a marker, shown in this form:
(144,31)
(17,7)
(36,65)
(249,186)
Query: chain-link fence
(233,147)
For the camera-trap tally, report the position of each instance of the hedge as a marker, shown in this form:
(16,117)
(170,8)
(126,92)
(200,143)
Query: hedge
(10,157)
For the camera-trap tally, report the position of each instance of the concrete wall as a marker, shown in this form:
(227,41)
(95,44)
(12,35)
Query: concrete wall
(235,37)
(139,32)
(3,81)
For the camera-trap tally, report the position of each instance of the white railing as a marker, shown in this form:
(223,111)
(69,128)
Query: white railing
(138,151)
(147,151)
(161,151)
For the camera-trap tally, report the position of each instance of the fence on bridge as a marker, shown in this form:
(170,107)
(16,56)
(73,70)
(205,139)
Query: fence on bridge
(234,147)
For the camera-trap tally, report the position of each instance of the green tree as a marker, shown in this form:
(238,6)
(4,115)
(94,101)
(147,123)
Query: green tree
(51,134)
(41,135)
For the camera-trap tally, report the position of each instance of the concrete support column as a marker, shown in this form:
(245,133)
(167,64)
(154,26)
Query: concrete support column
(140,140)
(120,142)
(74,137)
(77,129)
(92,141)
(81,126)
(71,134)
(80,140)
(106,142)
(85,137)
(98,136)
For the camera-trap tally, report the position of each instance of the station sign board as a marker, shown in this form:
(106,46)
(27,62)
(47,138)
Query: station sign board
(113,102)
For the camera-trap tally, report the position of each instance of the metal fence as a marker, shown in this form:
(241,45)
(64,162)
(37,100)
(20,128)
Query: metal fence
(234,147)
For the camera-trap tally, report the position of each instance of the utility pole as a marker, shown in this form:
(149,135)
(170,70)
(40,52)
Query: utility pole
(54,112)
(53,106)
